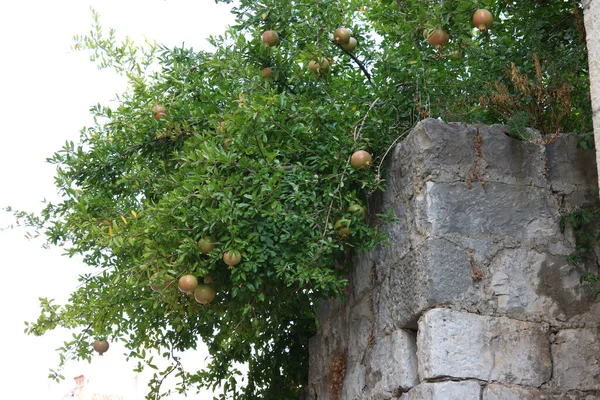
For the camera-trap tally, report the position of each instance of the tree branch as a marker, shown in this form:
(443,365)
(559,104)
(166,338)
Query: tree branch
(359,63)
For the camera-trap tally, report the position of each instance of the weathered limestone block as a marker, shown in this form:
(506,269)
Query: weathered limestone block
(354,383)
(571,170)
(436,272)
(501,392)
(317,360)
(497,209)
(538,285)
(360,328)
(446,152)
(392,365)
(330,341)
(576,356)
(465,390)
(363,273)
(462,345)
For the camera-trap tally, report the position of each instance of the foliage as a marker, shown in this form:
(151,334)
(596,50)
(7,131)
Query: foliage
(585,221)
(262,165)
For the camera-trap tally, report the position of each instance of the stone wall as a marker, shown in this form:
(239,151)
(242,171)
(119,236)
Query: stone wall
(473,298)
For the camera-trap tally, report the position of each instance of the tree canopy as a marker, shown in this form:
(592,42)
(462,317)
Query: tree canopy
(247,150)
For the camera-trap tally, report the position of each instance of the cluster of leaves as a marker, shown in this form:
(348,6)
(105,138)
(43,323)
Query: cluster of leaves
(262,165)
(584,221)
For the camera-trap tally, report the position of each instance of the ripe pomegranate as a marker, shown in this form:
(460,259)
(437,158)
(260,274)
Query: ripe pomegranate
(187,284)
(342,227)
(101,346)
(270,38)
(232,258)
(360,159)
(319,68)
(267,72)
(350,46)
(206,244)
(204,294)
(483,19)
(159,111)
(356,209)
(157,108)
(341,36)
(438,38)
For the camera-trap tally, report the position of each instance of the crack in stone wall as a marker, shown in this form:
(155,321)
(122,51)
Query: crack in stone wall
(419,322)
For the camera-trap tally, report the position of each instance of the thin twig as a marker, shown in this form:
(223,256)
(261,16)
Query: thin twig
(364,119)
(378,175)
(333,199)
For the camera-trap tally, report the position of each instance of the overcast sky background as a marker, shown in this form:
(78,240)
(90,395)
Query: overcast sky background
(46,91)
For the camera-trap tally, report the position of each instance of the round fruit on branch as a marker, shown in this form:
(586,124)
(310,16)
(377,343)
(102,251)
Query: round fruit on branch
(350,46)
(204,294)
(232,258)
(341,36)
(270,38)
(101,346)
(438,38)
(360,159)
(319,67)
(483,19)
(187,284)
(206,244)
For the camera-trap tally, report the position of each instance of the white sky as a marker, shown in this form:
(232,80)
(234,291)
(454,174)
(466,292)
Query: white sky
(45,94)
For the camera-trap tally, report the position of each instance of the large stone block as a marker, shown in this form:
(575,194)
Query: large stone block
(462,345)
(570,169)
(530,284)
(497,209)
(436,272)
(576,355)
(391,365)
(466,390)
(446,152)
(509,160)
